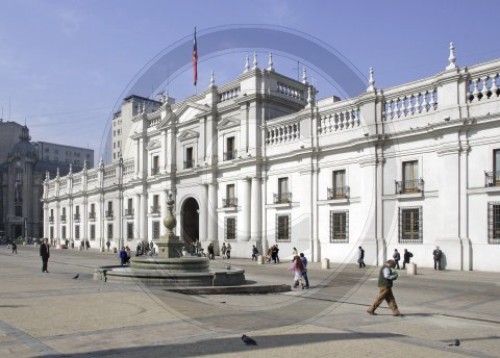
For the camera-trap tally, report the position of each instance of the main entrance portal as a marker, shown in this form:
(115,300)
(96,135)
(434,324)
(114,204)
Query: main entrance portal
(190,228)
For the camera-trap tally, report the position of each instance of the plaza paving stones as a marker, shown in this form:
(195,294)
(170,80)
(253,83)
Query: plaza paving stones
(52,315)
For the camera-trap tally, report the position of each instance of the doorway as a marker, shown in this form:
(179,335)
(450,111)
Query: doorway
(190,226)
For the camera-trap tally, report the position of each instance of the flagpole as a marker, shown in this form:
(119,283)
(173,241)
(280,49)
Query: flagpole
(195,62)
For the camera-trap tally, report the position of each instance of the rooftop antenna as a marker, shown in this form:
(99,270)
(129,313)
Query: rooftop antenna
(298,70)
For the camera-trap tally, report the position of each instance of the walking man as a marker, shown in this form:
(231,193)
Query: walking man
(304,273)
(385,279)
(437,254)
(45,254)
(396,256)
(361,257)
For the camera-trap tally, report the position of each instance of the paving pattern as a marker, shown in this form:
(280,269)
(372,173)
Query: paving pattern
(53,315)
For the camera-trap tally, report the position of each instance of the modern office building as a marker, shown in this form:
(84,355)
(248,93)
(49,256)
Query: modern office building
(261,161)
(60,153)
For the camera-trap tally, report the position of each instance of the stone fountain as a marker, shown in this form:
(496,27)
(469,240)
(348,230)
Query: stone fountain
(169,268)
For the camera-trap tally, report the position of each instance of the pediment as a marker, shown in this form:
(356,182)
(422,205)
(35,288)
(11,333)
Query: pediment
(188,111)
(153,144)
(229,122)
(187,135)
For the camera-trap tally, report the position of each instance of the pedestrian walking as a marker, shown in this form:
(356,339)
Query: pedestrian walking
(437,254)
(396,256)
(361,257)
(407,255)
(211,253)
(14,248)
(45,254)
(255,252)
(304,273)
(386,278)
(223,251)
(298,270)
(123,256)
(228,251)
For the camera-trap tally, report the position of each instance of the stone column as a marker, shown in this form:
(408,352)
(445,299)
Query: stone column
(144,217)
(256,215)
(244,227)
(212,212)
(204,214)
(137,217)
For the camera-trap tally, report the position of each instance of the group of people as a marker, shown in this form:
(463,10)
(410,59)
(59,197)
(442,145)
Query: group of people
(273,254)
(299,269)
(124,255)
(225,250)
(407,255)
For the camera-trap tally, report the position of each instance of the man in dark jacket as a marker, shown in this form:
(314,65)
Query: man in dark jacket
(45,254)
(437,254)
(385,279)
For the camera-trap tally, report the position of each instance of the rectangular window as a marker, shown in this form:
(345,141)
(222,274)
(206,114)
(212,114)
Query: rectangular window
(410,177)
(188,163)
(284,196)
(155,208)
(339,226)
(494,222)
(156,230)
(110,231)
(63,232)
(51,232)
(109,212)
(230,196)
(77,232)
(155,165)
(230,153)
(92,232)
(410,225)
(496,166)
(283,228)
(230,228)
(339,189)
(130,231)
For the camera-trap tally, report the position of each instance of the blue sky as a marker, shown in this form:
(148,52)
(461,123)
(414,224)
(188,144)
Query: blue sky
(64,64)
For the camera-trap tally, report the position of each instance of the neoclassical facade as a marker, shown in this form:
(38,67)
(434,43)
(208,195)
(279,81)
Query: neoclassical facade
(261,160)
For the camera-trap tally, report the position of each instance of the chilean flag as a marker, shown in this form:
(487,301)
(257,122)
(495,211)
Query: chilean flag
(195,59)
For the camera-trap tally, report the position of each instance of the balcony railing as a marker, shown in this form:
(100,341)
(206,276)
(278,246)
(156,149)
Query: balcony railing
(155,209)
(92,215)
(229,202)
(338,192)
(155,171)
(109,214)
(230,155)
(492,178)
(51,219)
(63,218)
(76,217)
(129,213)
(409,186)
(188,164)
(283,198)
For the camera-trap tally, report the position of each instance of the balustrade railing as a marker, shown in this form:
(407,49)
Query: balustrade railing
(410,104)
(341,119)
(229,94)
(492,178)
(283,132)
(290,91)
(129,213)
(188,164)
(483,87)
(155,209)
(229,202)
(92,216)
(63,218)
(340,192)
(76,217)
(109,214)
(282,198)
(409,186)
(230,155)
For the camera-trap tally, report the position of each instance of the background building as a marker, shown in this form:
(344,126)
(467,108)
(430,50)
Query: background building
(260,161)
(66,154)
(22,172)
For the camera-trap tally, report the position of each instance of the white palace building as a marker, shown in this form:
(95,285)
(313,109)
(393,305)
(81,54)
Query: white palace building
(260,161)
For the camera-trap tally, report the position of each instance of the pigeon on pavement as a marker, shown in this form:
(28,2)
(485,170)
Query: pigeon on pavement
(456,342)
(76,276)
(248,341)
